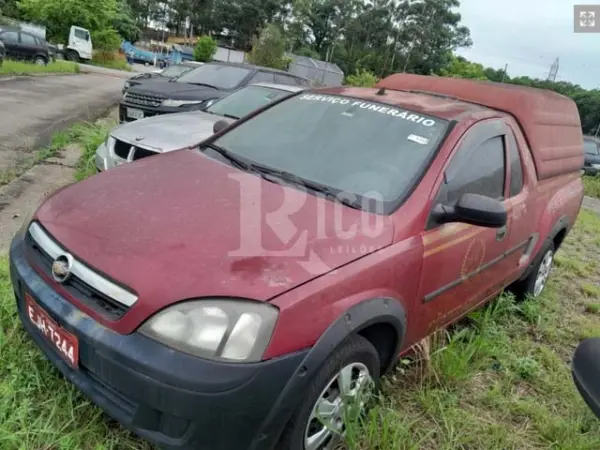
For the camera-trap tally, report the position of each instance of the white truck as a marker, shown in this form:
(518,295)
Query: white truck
(79,45)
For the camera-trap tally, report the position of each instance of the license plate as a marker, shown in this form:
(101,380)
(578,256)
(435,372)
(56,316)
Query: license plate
(135,113)
(63,342)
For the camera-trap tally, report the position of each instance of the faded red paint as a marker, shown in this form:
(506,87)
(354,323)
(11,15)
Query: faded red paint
(166,226)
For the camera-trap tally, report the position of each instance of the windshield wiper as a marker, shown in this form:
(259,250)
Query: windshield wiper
(202,84)
(312,185)
(229,116)
(231,157)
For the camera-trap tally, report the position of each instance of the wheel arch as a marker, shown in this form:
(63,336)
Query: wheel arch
(374,319)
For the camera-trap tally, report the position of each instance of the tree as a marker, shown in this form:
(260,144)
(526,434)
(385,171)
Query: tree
(205,49)
(459,67)
(107,40)
(361,78)
(269,49)
(60,15)
(124,22)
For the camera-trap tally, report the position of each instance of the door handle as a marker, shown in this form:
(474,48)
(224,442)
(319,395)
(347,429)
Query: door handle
(501,233)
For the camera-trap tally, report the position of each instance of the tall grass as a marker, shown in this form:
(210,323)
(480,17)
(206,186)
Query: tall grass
(591,186)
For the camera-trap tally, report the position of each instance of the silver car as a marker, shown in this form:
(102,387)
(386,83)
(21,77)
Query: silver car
(165,133)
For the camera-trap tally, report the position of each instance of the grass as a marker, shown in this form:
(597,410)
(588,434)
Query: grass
(22,68)
(591,186)
(497,380)
(110,60)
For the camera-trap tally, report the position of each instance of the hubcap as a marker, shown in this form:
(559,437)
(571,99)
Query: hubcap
(325,427)
(543,273)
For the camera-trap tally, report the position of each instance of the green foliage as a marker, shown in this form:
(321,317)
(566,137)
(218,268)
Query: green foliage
(59,15)
(124,22)
(205,49)
(459,67)
(591,185)
(110,60)
(269,49)
(361,78)
(106,40)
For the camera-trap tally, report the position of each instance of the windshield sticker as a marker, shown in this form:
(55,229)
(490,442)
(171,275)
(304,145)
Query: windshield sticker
(382,109)
(418,139)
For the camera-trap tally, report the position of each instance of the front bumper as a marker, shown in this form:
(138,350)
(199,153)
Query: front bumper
(169,398)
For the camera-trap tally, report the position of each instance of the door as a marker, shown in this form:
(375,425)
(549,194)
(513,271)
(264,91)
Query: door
(11,44)
(29,46)
(464,264)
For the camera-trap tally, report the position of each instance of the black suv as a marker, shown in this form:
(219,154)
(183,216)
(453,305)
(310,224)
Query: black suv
(196,89)
(591,146)
(24,46)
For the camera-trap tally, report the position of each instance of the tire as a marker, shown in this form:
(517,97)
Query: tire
(72,56)
(40,61)
(356,353)
(527,287)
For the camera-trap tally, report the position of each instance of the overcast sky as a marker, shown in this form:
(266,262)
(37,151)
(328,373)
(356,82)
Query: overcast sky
(529,35)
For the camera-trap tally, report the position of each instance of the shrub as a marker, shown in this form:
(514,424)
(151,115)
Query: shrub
(269,49)
(361,78)
(107,40)
(205,49)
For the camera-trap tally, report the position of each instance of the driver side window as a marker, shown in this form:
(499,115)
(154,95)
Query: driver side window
(477,167)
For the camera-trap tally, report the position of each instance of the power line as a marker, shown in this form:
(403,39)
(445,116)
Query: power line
(553,71)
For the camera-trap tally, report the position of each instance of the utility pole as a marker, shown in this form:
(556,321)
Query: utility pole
(504,73)
(553,71)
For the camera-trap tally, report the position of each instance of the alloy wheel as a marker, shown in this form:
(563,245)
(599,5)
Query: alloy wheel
(543,273)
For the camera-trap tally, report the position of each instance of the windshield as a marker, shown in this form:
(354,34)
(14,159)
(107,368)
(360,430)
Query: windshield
(221,77)
(367,149)
(175,71)
(246,100)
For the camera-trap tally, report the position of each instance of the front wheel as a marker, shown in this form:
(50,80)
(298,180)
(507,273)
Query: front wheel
(341,385)
(72,56)
(39,61)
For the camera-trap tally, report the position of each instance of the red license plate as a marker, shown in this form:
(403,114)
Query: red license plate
(63,342)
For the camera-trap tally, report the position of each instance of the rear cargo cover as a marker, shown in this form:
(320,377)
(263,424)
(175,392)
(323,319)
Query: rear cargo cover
(549,121)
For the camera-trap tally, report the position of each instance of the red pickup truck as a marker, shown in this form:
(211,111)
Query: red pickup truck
(237,295)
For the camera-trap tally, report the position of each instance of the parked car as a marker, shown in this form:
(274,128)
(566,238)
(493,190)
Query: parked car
(264,279)
(167,73)
(165,133)
(196,88)
(591,146)
(586,372)
(23,46)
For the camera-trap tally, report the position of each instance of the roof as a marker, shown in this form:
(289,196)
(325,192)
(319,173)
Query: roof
(550,121)
(281,87)
(253,67)
(316,63)
(441,107)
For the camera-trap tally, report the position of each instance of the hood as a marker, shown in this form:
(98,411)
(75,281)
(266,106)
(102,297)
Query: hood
(168,132)
(183,225)
(175,90)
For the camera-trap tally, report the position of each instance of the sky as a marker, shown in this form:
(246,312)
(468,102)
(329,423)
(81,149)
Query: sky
(529,35)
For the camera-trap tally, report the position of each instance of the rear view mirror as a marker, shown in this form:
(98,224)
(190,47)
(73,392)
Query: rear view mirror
(586,372)
(220,125)
(473,209)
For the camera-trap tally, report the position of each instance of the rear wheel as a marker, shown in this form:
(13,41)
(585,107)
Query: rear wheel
(534,284)
(338,391)
(72,55)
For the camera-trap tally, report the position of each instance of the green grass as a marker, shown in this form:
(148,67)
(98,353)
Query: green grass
(22,68)
(89,137)
(116,64)
(497,380)
(591,186)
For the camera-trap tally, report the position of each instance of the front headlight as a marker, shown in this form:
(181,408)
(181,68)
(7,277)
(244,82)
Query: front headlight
(178,103)
(218,329)
(126,85)
(110,143)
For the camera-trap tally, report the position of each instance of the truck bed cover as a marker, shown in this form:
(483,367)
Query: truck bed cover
(550,122)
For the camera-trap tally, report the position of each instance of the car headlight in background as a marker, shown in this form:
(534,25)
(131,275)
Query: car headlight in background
(177,103)
(219,329)
(210,102)
(110,143)
(126,85)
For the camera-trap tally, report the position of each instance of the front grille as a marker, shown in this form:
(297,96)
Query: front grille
(122,149)
(153,101)
(142,153)
(86,294)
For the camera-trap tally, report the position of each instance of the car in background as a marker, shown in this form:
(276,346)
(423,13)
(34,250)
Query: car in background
(160,134)
(22,46)
(591,146)
(2,53)
(167,73)
(197,89)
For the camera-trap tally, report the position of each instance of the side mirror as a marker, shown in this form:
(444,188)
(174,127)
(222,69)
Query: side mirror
(473,209)
(220,125)
(586,372)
